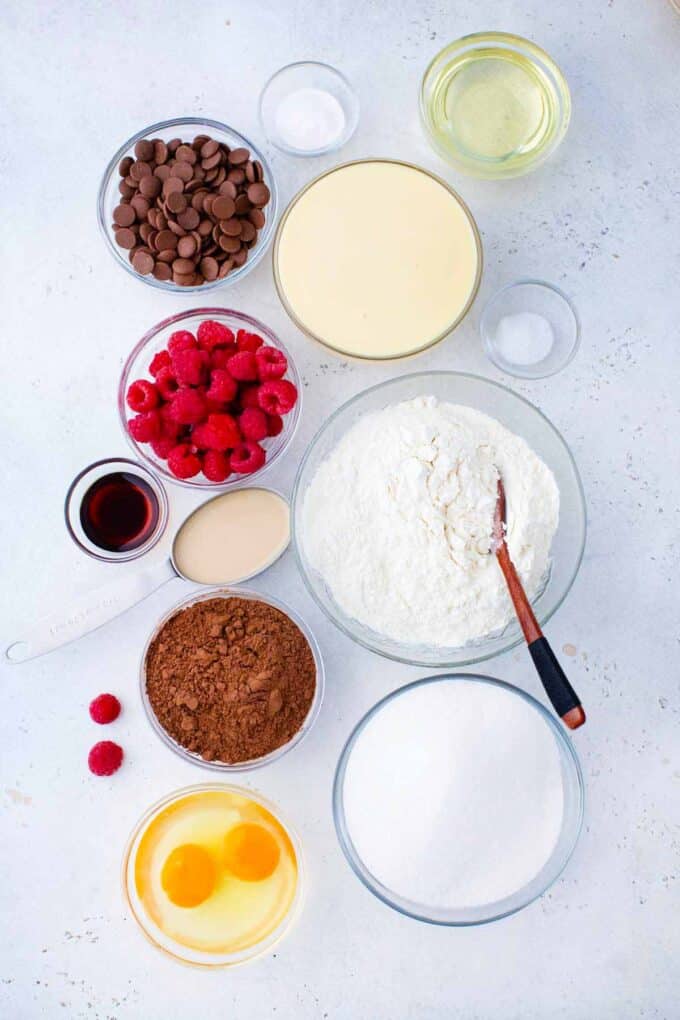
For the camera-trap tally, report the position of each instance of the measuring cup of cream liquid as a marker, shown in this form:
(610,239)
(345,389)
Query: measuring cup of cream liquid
(228,539)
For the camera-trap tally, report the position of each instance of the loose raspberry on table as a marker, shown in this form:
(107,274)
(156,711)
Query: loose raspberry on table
(181,340)
(190,366)
(271,363)
(243,366)
(188,407)
(277,396)
(213,334)
(142,395)
(253,423)
(274,424)
(159,361)
(215,465)
(166,383)
(162,447)
(246,341)
(104,709)
(247,457)
(145,427)
(223,386)
(105,758)
(183,462)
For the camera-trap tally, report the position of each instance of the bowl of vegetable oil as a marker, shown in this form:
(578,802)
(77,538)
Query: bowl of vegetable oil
(494,105)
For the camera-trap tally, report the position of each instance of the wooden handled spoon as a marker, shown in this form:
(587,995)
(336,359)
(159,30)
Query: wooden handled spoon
(564,699)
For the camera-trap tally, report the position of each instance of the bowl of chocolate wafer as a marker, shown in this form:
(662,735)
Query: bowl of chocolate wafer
(187,203)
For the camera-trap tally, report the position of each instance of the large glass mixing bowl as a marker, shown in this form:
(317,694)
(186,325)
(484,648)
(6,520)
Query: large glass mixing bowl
(517,415)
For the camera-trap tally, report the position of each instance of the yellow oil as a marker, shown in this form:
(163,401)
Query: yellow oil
(492,108)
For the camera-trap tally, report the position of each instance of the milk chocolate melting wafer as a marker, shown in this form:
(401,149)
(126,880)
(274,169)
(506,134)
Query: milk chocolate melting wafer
(189,212)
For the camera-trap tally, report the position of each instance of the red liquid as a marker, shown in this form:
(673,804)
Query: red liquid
(119,512)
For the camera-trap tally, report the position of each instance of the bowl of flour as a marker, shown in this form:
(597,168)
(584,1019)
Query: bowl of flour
(393,513)
(458,799)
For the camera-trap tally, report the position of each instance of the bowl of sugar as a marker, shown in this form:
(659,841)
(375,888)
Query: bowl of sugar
(530,329)
(458,799)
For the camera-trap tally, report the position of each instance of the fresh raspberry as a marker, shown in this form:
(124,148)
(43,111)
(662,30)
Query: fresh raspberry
(190,366)
(159,361)
(277,396)
(246,341)
(215,466)
(213,334)
(183,462)
(247,397)
(104,709)
(170,428)
(220,356)
(243,366)
(274,424)
(188,407)
(105,758)
(226,431)
(145,427)
(253,423)
(162,447)
(223,386)
(166,383)
(247,457)
(271,363)
(181,340)
(142,395)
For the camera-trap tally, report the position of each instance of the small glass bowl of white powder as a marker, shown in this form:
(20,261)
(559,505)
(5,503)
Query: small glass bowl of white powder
(458,799)
(308,109)
(530,329)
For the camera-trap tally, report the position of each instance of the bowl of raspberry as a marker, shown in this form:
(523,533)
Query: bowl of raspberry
(209,398)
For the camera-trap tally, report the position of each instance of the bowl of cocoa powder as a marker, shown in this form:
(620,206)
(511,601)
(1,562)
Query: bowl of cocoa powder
(231,679)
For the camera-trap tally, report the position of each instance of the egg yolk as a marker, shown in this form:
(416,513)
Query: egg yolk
(188,876)
(250,852)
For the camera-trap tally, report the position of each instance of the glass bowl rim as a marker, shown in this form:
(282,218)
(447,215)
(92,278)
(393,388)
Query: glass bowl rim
(519,44)
(273,809)
(350,126)
(163,510)
(164,125)
(293,417)
(525,281)
(392,357)
(202,594)
(342,832)
(471,660)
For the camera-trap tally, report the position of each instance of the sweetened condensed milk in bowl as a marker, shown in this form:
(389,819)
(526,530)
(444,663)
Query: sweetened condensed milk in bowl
(377,259)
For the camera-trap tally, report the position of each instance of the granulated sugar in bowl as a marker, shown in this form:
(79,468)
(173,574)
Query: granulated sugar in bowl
(458,799)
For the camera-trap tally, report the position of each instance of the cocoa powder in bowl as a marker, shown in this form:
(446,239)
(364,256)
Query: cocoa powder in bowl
(230,679)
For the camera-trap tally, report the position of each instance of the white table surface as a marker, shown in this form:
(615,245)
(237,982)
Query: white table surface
(600,220)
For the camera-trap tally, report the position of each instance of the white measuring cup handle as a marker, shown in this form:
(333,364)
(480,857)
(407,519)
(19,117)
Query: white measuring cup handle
(87,613)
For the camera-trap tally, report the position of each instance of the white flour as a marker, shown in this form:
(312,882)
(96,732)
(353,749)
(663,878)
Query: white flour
(453,794)
(398,521)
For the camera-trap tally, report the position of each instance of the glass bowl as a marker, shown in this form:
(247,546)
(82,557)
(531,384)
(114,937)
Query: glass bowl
(517,415)
(185,128)
(538,298)
(137,367)
(314,708)
(78,490)
(420,345)
(572,819)
(460,76)
(164,942)
(307,74)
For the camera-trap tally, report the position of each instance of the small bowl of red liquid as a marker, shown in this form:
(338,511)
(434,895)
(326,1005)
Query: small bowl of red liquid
(116,510)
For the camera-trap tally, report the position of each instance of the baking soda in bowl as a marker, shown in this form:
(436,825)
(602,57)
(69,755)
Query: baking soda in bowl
(453,796)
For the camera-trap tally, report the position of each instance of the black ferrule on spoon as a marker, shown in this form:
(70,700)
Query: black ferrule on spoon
(557,687)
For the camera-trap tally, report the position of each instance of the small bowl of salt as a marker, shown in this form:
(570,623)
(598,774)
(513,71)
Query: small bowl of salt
(308,109)
(530,329)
